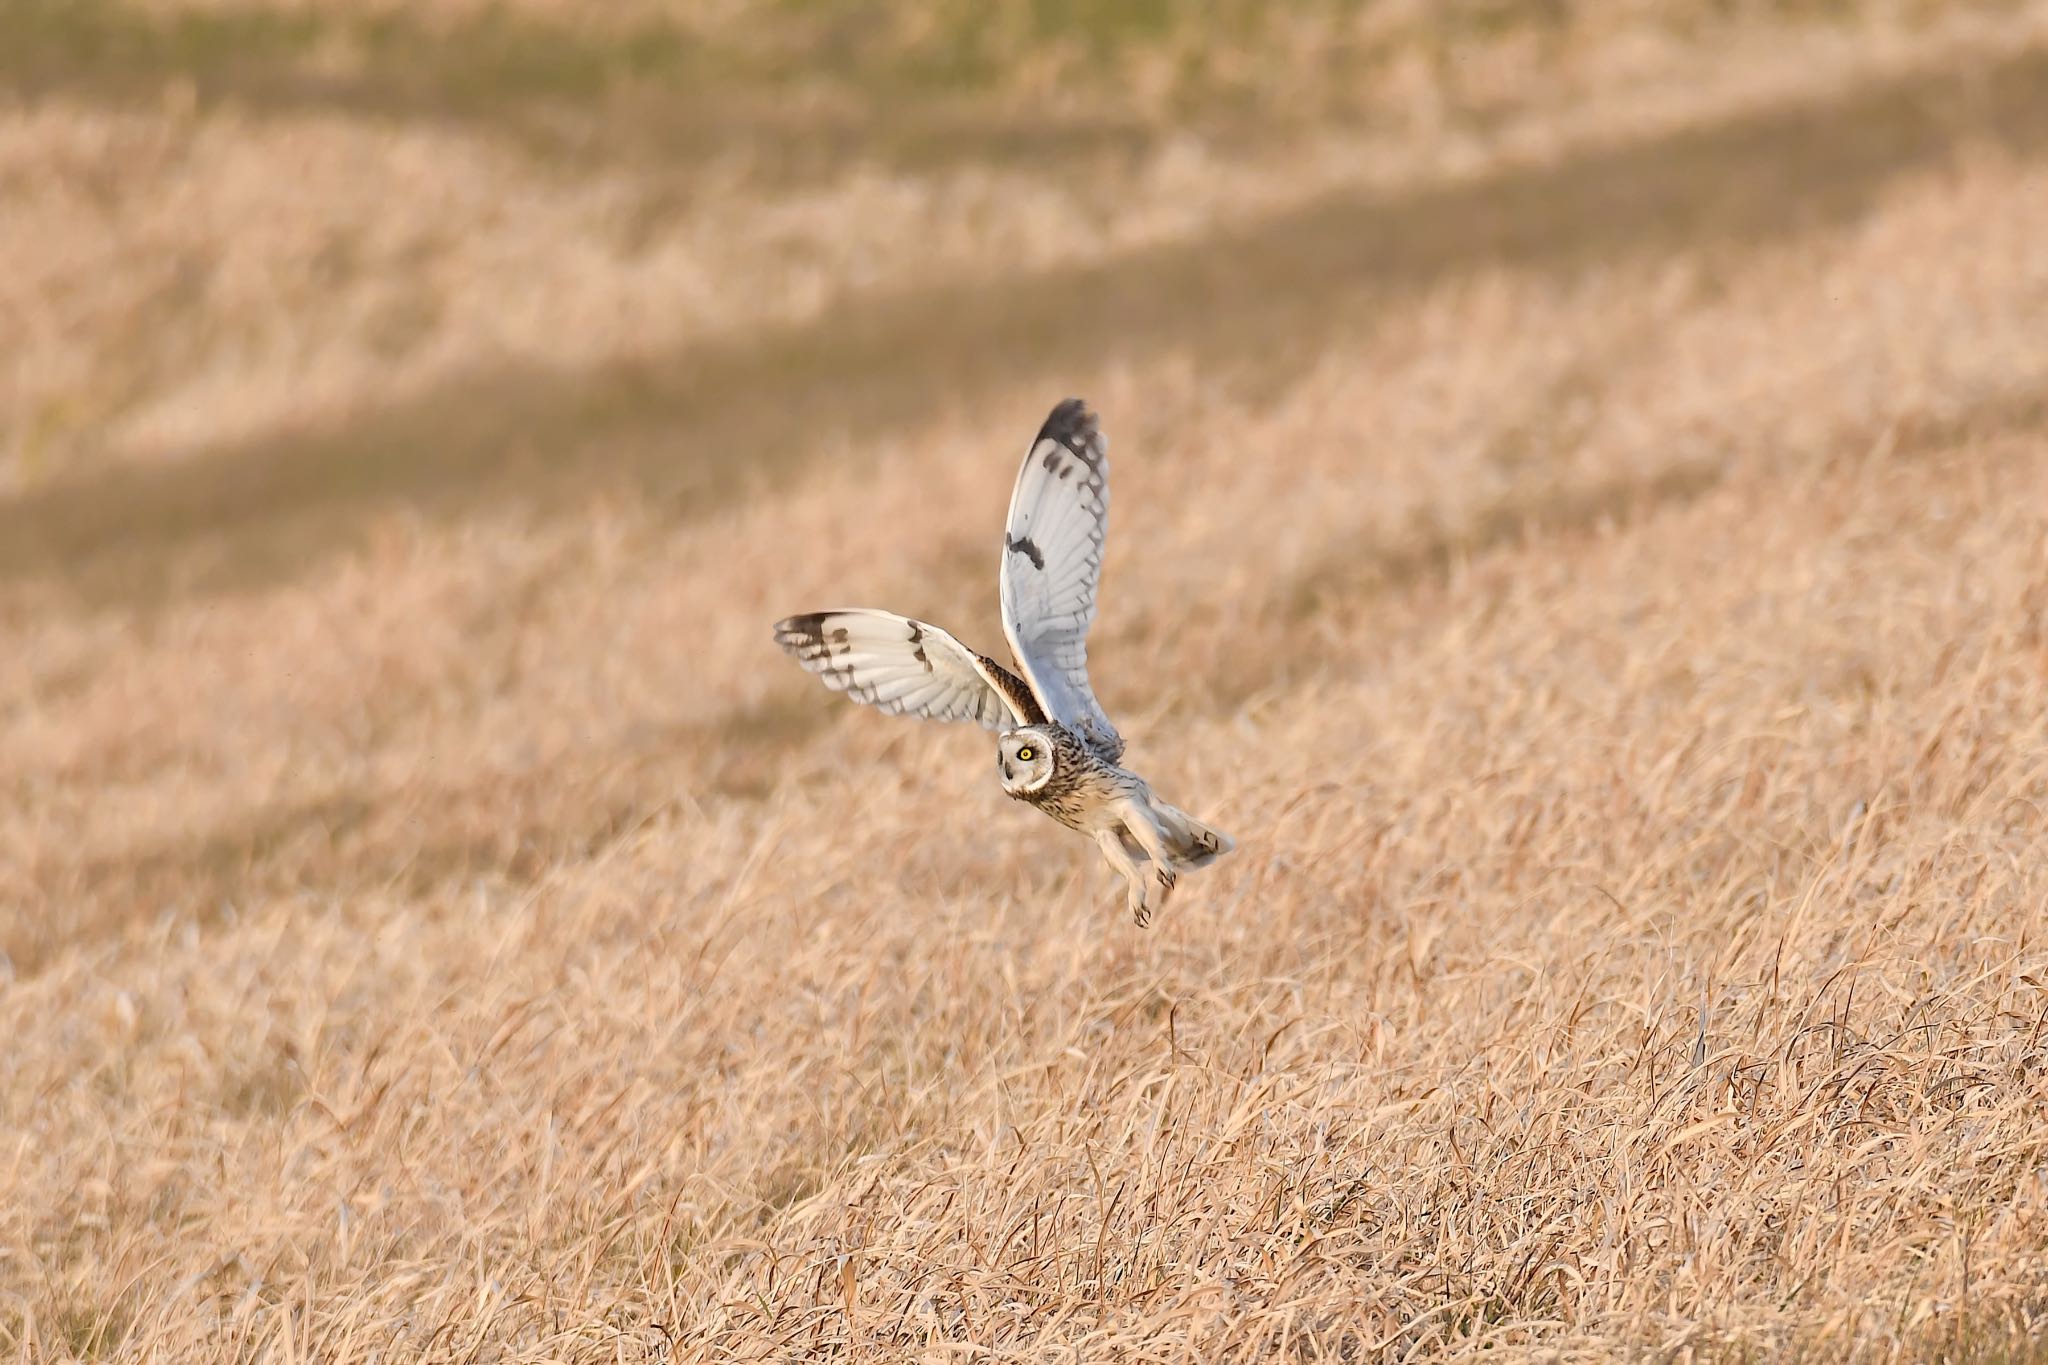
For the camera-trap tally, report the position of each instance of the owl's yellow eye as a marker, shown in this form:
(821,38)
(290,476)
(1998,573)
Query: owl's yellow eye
(1024,754)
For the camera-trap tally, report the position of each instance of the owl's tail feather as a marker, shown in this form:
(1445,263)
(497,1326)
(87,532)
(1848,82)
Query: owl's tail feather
(1192,843)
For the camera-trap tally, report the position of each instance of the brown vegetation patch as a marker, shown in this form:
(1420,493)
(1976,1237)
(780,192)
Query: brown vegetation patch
(1603,588)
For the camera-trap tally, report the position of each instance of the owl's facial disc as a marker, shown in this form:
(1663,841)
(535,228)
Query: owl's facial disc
(1025,759)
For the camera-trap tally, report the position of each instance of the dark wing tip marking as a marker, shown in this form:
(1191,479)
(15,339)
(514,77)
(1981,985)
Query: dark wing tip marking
(796,633)
(806,638)
(1024,545)
(1073,426)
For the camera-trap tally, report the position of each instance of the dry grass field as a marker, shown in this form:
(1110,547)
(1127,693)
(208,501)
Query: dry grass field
(1580,521)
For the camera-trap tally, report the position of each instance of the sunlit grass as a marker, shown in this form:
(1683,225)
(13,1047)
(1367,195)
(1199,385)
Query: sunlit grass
(1601,581)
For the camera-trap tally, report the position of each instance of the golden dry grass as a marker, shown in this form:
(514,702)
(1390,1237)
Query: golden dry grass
(1594,559)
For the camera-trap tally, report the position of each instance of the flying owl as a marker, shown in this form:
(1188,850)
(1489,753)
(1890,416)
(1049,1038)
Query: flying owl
(1057,750)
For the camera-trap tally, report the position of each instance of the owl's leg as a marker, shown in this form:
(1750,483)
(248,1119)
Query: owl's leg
(1145,829)
(1110,841)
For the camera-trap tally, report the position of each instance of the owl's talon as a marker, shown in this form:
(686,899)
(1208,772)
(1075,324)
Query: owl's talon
(1166,877)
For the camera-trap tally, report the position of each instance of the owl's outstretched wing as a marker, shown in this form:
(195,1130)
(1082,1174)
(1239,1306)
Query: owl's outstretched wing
(1052,562)
(906,667)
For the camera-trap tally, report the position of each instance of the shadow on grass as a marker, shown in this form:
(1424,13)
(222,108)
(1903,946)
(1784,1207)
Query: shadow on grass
(510,829)
(1621,501)
(694,429)
(649,89)
(501,828)
(1355,573)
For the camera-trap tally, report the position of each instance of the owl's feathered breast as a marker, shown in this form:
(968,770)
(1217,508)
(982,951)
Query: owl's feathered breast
(1083,788)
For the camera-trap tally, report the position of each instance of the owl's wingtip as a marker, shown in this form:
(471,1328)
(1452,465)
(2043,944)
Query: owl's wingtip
(1072,423)
(795,632)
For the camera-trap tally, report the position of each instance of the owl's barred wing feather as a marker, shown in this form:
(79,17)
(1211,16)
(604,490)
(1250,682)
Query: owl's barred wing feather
(1052,563)
(906,667)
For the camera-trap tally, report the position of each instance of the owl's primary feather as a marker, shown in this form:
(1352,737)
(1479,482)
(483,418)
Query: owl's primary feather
(1052,565)
(906,667)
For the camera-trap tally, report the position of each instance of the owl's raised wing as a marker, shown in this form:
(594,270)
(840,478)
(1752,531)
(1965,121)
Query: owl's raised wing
(906,667)
(1052,562)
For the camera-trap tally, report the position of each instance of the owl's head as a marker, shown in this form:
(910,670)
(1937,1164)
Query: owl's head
(1025,758)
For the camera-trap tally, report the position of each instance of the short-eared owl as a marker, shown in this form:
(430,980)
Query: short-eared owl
(1057,749)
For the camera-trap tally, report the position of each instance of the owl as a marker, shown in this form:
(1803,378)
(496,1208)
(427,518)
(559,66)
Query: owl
(1056,750)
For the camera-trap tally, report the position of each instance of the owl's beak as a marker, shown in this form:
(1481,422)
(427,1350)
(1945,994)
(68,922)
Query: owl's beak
(1007,774)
